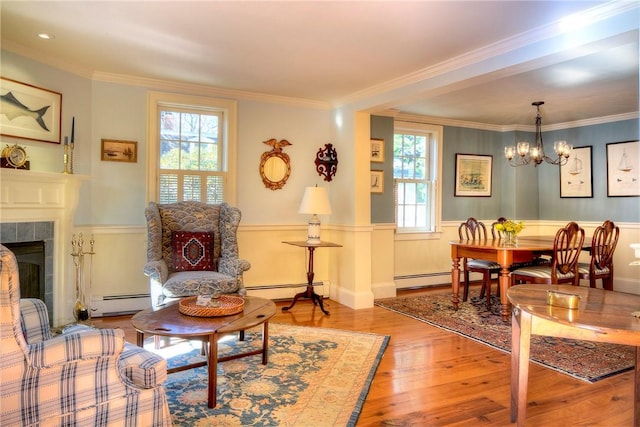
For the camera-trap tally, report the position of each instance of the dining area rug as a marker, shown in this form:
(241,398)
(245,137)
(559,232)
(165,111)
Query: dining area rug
(584,360)
(314,377)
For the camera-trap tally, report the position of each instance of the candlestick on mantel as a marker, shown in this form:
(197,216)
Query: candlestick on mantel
(65,156)
(73,129)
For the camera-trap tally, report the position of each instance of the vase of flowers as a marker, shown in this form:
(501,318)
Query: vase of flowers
(509,231)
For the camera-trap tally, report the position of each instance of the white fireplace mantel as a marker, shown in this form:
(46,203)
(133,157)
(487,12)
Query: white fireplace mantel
(31,196)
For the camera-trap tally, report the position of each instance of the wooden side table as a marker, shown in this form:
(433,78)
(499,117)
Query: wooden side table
(602,316)
(309,292)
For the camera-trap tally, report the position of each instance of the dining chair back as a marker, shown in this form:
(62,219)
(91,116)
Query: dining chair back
(567,245)
(603,245)
(472,229)
(495,233)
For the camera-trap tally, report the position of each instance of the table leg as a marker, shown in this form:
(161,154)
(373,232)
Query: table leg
(520,349)
(636,396)
(309,292)
(140,339)
(455,282)
(504,281)
(212,368)
(265,342)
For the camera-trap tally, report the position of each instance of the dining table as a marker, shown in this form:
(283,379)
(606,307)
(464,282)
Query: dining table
(526,249)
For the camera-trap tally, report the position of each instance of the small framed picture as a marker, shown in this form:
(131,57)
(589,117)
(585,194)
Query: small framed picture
(119,151)
(623,170)
(377,181)
(575,176)
(377,150)
(473,175)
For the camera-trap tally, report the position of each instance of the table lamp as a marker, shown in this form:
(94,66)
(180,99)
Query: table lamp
(315,201)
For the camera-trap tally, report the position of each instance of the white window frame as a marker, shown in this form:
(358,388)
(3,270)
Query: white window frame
(435,134)
(159,100)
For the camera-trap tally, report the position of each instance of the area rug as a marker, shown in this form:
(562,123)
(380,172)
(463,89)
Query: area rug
(584,360)
(314,377)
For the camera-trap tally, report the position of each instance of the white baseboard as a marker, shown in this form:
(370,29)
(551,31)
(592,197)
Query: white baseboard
(118,304)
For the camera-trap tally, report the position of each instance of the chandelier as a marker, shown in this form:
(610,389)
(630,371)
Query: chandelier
(527,154)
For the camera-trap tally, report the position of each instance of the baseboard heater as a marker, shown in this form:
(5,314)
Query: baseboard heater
(423,280)
(118,305)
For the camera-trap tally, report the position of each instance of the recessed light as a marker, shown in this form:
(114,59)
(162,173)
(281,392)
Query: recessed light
(46,36)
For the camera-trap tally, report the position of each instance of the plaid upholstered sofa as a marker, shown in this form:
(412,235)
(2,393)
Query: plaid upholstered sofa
(192,249)
(82,377)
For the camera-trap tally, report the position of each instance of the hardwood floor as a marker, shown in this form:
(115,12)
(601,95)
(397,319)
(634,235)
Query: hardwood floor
(431,377)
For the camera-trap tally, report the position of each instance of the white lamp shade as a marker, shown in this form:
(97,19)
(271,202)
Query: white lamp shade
(315,201)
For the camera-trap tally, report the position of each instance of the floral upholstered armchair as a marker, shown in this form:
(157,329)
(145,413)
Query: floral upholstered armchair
(192,249)
(82,377)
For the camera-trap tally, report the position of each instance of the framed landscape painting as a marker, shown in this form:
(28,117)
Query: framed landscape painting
(623,174)
(29,112)
(576,179)
(473,175)
(119,151)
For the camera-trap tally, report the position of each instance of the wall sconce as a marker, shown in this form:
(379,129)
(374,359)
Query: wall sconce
(327,162)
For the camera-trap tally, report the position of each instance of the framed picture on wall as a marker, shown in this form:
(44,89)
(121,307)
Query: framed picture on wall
(623,172)
(119,151)
(377,150)
(473,175)
(576,179)
(377,181)
(30,112)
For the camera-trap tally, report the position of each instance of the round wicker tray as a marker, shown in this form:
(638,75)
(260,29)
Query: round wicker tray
(229,304)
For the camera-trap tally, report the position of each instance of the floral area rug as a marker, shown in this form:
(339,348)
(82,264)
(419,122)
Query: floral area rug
(314,377)
(584,360)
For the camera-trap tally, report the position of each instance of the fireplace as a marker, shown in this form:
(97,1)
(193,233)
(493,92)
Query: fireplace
(32,243)
(39,207)
(31,267)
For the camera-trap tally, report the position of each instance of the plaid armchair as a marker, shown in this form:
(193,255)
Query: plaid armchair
(82,377)
(171,276)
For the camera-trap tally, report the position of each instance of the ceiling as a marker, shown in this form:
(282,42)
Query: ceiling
(475,61)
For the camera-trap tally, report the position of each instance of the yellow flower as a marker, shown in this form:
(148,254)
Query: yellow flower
(510,226)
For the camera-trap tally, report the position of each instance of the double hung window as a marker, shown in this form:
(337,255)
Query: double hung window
(416,170)
(192,151)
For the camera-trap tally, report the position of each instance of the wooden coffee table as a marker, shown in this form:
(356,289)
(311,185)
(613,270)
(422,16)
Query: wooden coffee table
(169,322)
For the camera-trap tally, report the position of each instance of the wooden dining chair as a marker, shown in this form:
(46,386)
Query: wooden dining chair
(567,245)
(472,229)
(603,244)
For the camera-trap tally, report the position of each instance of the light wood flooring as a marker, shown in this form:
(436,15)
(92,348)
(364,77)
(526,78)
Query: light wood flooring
(431,377)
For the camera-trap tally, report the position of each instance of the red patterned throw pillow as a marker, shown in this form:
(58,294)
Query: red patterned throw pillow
(193,251)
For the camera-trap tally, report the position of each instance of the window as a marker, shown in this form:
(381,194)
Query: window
(416,173)
(192,148)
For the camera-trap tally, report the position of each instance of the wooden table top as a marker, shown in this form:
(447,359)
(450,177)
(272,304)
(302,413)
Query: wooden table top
(168,321)
(598,310)
(304,244)
(527,243)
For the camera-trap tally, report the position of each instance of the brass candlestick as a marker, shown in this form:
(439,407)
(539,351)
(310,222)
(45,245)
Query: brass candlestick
(71,158)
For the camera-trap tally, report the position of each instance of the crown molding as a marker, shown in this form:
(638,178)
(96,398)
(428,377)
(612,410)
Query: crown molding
(507,128)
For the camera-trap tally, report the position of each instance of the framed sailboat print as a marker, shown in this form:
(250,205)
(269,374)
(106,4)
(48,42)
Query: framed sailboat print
(576,179)
(623,174)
